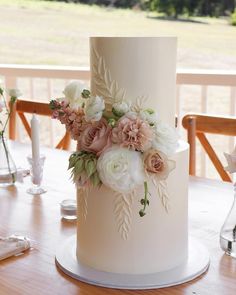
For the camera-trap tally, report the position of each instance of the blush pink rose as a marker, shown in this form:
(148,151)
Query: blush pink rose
(95,138)
(132,132)
(154,161)
(158,163)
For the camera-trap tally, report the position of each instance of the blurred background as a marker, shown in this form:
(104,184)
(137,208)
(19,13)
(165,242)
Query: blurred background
(44,44)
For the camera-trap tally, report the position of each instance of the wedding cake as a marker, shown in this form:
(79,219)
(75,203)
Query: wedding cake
(113,235)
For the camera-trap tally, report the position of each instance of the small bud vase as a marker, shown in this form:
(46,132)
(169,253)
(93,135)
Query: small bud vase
(8,169)
(228,231)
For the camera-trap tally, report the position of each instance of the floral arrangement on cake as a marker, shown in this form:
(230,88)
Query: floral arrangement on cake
(120,145)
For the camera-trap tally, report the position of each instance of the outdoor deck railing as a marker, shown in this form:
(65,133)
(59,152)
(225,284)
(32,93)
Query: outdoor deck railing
(11,74)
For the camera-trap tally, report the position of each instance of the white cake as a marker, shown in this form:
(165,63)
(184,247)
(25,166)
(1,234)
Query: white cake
(112,237)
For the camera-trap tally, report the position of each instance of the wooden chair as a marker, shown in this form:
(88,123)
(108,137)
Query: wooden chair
(197,125)
(41,108)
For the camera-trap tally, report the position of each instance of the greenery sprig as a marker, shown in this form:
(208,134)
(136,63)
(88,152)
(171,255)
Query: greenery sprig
(144,201)
(84,163)
(85,93)
(54,105)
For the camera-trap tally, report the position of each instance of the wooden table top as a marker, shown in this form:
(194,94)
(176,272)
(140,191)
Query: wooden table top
(38,217)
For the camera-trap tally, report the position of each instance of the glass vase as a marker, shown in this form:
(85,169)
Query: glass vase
(228,231)
(8,169)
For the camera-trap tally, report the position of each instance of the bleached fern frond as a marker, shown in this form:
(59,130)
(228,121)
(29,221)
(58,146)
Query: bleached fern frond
(123,213)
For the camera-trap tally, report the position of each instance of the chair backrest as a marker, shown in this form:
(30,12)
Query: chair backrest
(197,125)
(38,107)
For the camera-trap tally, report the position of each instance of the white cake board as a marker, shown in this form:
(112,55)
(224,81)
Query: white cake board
(196,264)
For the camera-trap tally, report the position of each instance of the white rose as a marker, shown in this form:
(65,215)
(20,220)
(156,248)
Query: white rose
(72,94)
(149,116)
(94,108)
(166,138)
(121,169)
(14,92)
(120,108)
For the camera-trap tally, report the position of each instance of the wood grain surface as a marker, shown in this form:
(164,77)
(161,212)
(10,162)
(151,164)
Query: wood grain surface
(38,217)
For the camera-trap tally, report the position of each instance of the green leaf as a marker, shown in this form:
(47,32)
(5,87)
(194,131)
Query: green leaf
(117,113)
(72,160)
(150,111)
(13,99)
(90,167)
(111,122)
(142,201)
(95,179)
(79,167)
(53,105)
(141,213)
(85,93)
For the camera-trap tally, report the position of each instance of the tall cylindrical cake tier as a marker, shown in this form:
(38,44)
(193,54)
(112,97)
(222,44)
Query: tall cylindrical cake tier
(141,67)
(112,237)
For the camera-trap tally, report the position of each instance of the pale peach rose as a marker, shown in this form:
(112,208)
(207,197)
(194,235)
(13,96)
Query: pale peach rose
(154,162)
(133,133)
(96,137)
(158,163)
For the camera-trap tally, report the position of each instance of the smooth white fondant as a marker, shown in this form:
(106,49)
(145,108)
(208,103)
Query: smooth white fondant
(156,242)
(120,241)
(141,67)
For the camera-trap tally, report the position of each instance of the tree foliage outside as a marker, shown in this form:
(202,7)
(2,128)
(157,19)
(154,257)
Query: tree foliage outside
(193,7)
(112,3)
(233,18)
(172,8)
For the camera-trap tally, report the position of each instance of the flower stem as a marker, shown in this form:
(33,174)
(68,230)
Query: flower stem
(9,111)
(144,201)
(7,157)
(5,103)
(145,194)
